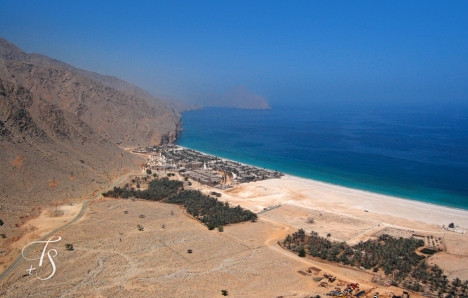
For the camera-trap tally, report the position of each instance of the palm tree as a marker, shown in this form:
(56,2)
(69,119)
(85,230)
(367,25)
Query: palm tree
(456,282)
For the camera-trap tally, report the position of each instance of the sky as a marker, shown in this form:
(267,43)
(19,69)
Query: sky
(369,52)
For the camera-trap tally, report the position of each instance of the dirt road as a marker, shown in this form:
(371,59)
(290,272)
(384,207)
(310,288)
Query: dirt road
(20,258)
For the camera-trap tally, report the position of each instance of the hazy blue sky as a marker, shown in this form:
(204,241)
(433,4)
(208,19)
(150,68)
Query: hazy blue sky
(357,51)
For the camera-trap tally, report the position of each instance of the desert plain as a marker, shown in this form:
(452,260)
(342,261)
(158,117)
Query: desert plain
(137,248)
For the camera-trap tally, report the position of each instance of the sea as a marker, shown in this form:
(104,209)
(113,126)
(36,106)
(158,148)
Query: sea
(417,153)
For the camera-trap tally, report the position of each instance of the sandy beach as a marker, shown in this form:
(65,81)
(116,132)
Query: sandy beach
(315,194)
(345,201)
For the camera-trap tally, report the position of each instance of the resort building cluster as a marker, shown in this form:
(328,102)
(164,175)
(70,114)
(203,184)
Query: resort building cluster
(203,168)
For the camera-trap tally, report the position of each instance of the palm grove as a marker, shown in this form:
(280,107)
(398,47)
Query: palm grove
(397,258)
(206,209)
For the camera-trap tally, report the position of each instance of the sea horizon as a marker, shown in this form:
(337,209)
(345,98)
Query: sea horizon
(241,148)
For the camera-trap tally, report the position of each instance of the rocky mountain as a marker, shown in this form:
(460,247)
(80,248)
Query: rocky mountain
(64,131)
(238,97)
(116,83)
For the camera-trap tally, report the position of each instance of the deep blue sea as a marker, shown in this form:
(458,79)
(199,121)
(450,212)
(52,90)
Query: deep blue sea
(413,153)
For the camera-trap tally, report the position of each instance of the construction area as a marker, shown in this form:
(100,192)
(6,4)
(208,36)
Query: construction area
(335,287)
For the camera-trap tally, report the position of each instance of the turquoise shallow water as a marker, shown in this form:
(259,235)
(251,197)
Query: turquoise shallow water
(415,154)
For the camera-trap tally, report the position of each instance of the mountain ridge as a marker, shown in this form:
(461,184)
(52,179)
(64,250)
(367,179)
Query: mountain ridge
(64,133)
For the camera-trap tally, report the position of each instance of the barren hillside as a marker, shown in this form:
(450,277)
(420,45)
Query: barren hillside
(63,132)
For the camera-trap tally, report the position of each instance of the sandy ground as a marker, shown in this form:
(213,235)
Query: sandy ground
(453,265)
(344,201)
(340,211)
(49,219)
(111,257)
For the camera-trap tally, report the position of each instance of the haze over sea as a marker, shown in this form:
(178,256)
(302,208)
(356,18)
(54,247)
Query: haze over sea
(414,153)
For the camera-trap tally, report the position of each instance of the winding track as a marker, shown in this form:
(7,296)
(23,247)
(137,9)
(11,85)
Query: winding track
(19,259)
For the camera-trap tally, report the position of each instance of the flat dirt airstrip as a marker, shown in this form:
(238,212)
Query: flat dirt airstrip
(113,258)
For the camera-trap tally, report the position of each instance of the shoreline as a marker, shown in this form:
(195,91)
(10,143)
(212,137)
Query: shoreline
(333,194)
(384,199)
(380,194)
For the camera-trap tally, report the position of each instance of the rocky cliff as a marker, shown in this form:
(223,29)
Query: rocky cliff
(63,132)
(123,113)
